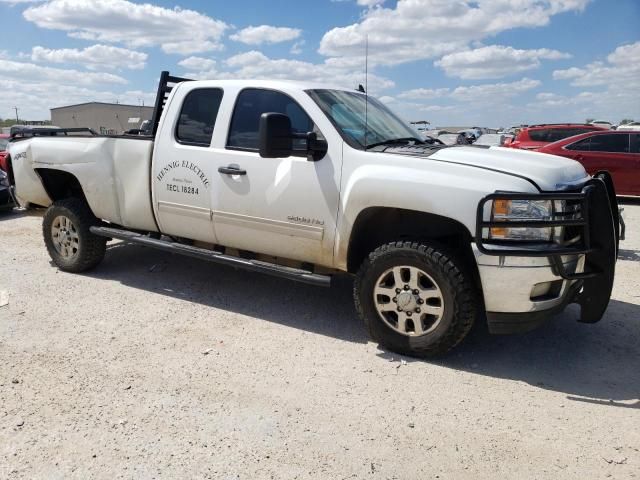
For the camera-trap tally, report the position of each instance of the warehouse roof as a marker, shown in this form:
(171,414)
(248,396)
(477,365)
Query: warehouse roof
(102,103)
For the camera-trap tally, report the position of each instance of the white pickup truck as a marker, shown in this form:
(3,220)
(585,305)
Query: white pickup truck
(306,181)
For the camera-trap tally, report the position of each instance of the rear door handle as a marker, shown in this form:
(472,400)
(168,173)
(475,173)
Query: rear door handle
(232,170)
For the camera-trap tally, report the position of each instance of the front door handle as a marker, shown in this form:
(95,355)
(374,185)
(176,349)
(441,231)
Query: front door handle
(232,170)
(579,157)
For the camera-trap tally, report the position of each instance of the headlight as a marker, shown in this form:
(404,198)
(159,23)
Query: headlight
(521,211)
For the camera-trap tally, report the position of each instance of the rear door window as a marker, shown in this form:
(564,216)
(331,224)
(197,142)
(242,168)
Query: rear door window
(198,116)
(610,143)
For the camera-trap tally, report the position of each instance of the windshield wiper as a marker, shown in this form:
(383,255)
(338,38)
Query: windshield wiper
(394,141)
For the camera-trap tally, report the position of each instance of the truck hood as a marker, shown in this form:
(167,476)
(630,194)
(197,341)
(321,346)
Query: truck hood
(548,172)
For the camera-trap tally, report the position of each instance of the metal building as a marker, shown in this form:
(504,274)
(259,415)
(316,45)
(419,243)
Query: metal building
(104,118)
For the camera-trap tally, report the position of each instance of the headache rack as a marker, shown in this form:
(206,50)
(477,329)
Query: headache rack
(166,84)
(585,224)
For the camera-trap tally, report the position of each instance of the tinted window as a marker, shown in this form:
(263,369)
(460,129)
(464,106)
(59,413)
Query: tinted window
(635,142)
(198,116)
(555,134)
(582,145)
(251,104)
(610,143)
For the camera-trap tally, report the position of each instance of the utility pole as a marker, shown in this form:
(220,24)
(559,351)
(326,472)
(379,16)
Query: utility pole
(17,119)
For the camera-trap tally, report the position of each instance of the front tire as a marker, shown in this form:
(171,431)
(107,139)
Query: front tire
(415,299)
(70,243)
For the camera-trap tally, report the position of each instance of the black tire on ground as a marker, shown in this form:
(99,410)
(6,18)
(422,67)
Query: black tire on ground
(459,297)
(89,249)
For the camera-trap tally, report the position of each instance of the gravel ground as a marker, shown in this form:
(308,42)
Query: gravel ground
(160,366)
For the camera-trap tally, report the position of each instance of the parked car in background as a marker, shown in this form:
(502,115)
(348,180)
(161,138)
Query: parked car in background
(613,150)
(5,195)
(470,135)
(536,136)
(4,141)
(449,138)
(603,124)
(630,126)
(492,139)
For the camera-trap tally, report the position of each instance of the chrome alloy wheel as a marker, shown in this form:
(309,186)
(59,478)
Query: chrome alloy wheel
(65,237)
(408,300)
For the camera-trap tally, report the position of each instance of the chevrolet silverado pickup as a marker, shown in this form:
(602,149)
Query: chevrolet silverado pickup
(307,181)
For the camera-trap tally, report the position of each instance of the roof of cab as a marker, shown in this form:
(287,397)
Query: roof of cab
(275,84)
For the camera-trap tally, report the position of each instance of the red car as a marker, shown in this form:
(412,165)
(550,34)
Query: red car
(617,152)
(536,136)
(4,141)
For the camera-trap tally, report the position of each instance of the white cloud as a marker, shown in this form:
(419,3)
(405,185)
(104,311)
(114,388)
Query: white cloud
(370,3)
(614,87)
(265,34)
(254,64)
(622,69)
(493,92)
(34,100)
(136,25)
(16,2)
(296,48)
(420,29)
(424,93)
(196,64)
(29,72)
(495,61)
(93,57)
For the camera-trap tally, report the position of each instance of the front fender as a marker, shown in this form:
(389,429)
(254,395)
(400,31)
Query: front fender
(420,184)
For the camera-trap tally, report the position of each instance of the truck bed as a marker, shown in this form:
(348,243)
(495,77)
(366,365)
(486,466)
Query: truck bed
(113,170)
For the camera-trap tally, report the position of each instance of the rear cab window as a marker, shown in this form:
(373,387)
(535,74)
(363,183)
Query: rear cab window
(251,104)
(198,117)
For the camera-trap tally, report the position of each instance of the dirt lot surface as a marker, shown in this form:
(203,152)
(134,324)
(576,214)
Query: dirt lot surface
(159,366)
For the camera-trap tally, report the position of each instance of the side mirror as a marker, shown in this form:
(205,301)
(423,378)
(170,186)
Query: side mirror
(275,135)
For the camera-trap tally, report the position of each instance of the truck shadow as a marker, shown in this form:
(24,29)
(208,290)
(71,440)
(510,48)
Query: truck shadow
(596,363)
(11,213)
(327,311)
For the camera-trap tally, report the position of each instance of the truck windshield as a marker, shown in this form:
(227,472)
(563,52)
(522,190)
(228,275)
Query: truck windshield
(346,110)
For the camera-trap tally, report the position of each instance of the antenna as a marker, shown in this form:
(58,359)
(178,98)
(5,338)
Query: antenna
(366,88)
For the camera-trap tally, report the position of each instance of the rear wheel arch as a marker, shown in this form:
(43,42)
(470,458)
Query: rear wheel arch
(60,184)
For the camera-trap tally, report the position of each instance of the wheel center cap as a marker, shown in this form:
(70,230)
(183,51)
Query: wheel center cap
(406,301)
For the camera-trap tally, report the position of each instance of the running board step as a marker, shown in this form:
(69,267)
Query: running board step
(213,256)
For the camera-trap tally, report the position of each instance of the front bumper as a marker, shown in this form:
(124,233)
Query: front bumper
(523,284)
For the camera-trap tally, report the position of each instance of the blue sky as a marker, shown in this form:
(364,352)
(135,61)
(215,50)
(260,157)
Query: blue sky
(452,62)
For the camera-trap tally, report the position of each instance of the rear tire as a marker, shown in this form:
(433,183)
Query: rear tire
(70,243)
(415,299)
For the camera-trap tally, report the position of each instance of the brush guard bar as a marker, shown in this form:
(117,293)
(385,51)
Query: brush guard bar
(598,224)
